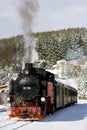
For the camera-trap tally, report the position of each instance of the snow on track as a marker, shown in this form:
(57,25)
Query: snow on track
(11,124)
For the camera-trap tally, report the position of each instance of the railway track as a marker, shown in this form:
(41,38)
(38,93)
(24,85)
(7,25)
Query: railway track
(11,124)
(14,125)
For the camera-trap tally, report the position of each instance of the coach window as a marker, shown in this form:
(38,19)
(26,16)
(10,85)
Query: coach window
(65,91)
(69,92)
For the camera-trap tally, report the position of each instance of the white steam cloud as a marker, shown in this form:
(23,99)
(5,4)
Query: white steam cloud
(28,11)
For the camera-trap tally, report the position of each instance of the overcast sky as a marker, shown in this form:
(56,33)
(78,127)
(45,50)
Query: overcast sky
(52,15)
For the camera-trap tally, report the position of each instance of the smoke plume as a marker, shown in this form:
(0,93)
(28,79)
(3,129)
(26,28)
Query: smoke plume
(28,12)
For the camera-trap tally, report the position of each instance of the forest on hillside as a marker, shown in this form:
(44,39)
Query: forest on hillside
(50,46)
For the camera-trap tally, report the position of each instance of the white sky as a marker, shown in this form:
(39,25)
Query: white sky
(52,15)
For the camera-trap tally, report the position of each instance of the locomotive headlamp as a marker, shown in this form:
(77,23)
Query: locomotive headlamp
(26,71)
(8,99)
(42,99)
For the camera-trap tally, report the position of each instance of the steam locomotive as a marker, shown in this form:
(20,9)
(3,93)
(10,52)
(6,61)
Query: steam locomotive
(36,93)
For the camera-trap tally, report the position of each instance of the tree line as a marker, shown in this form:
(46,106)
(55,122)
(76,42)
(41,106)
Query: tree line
(50,46)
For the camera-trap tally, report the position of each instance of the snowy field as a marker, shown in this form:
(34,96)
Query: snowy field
(71,118)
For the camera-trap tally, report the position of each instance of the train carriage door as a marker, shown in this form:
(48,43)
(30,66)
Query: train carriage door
(50,91)
(61,96)
(66,95)
(58,96)
(50,98)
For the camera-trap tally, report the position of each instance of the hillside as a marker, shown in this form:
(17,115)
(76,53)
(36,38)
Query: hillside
(50,46)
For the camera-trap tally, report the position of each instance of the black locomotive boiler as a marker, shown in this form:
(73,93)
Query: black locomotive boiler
(36,93)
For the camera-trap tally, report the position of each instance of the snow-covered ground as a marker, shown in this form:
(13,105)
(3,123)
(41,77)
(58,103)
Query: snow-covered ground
(70,118)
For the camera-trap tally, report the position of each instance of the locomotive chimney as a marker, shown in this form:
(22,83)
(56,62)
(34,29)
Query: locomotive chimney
(29,66)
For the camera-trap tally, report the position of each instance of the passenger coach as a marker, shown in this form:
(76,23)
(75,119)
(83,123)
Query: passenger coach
(65,95)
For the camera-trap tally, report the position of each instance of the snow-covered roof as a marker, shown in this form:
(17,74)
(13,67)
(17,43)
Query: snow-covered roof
(71,82)
(54,70)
